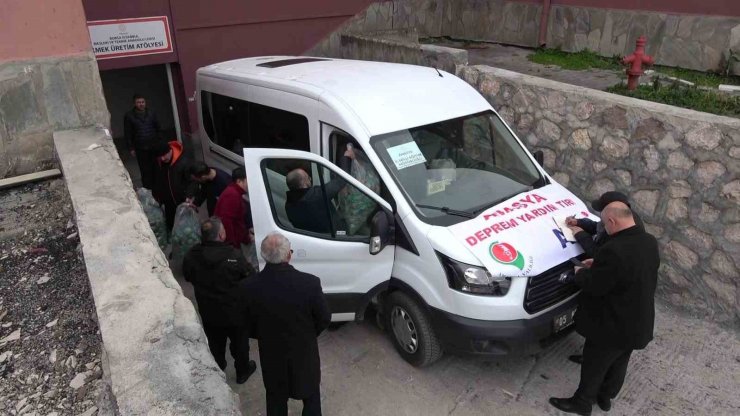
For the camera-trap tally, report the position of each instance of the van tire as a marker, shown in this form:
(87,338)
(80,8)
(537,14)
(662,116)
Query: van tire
(417,331)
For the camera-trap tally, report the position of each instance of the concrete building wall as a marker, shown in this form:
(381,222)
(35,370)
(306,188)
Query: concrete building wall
(48,81)
(220,30)
(36,28)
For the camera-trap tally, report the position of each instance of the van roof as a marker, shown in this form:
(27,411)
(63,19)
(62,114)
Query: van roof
(385,97)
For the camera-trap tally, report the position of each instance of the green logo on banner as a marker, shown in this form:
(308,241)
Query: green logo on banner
(505,253)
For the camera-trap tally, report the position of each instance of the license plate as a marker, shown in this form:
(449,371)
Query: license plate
(563,320)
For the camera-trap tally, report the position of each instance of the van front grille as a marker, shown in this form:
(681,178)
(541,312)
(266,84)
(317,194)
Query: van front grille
(544,290)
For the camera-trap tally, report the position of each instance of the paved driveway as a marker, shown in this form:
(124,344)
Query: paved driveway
(692,368)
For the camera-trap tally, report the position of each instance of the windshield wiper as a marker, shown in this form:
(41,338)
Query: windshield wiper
(448,211)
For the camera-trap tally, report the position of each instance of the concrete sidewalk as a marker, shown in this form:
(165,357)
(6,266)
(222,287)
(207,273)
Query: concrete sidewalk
(514,58)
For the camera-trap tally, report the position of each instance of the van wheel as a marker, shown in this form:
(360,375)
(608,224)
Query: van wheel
(411,331)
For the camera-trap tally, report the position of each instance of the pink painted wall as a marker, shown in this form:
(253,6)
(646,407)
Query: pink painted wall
(38,28)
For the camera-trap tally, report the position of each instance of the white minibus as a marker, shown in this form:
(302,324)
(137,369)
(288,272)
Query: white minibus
(402,189)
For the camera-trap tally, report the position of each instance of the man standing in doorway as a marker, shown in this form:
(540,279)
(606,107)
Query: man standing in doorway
(142,132)
(288,312)
(619,314)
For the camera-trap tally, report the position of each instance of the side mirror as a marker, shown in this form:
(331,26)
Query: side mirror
(381,231)
(539,156)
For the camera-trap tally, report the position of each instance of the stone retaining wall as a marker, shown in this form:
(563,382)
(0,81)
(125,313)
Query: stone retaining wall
(40,96)
(379,47)
(156,353)
(687,41)
(681,169)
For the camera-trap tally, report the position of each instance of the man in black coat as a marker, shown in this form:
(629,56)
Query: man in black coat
(591,234)
(619,314)
(218,272)
(171,178)
(142,132)
(288,312)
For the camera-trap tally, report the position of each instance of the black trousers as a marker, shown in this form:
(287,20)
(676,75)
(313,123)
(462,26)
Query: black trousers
(217,336)
(602,372)
(169,215)
(147,165)
(277,405)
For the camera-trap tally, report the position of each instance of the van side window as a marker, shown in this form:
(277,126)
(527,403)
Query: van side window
(307,200)
(234,124)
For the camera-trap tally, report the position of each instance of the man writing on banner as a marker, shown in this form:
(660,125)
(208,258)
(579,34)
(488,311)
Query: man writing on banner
(616,313)
(591,234)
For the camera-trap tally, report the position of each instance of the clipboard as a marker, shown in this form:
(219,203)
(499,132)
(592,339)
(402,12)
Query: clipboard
(563,227)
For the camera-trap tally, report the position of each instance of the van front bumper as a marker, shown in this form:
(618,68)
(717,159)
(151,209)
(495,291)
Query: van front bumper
(460,334)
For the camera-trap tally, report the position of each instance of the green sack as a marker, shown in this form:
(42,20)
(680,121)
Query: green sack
(154,215)
(185,232)
(357,207)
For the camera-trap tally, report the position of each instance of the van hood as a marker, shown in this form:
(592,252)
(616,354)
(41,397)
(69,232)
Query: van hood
(520,236)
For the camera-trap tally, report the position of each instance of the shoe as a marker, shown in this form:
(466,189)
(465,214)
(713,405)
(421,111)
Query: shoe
(604,403)
(572,405)
(577,358)
(251,368)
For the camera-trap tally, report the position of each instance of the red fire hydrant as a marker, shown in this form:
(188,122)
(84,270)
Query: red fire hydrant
(635,62)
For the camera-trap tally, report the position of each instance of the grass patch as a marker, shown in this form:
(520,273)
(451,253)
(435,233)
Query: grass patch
(578,61)
(691,98)
(705,79)
(586,59)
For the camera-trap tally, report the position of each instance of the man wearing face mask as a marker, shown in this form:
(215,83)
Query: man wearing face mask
(617,311)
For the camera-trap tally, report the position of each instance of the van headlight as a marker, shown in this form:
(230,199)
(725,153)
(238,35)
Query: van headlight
(473,279)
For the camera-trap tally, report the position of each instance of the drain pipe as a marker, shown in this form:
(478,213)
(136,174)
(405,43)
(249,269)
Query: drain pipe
(544,17)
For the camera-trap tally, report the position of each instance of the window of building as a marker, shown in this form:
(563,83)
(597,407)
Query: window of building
(234,124)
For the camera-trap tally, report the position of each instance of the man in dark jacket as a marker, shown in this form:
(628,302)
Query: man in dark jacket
(234,211)
(171,179)
(141,130)
(218,272)
(591,234)
(288,312)
(208,183)
(306,205)
(620,314)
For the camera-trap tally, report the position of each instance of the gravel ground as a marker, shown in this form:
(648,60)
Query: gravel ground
(50,346)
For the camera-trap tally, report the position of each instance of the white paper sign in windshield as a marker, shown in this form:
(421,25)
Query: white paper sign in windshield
(405,155)
(519,237)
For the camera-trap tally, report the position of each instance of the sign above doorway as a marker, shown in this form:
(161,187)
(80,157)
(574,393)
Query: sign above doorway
(130,37)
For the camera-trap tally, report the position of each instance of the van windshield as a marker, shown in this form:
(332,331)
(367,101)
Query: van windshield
(457,168)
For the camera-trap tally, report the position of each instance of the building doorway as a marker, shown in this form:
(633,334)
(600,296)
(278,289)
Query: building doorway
(119,87)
